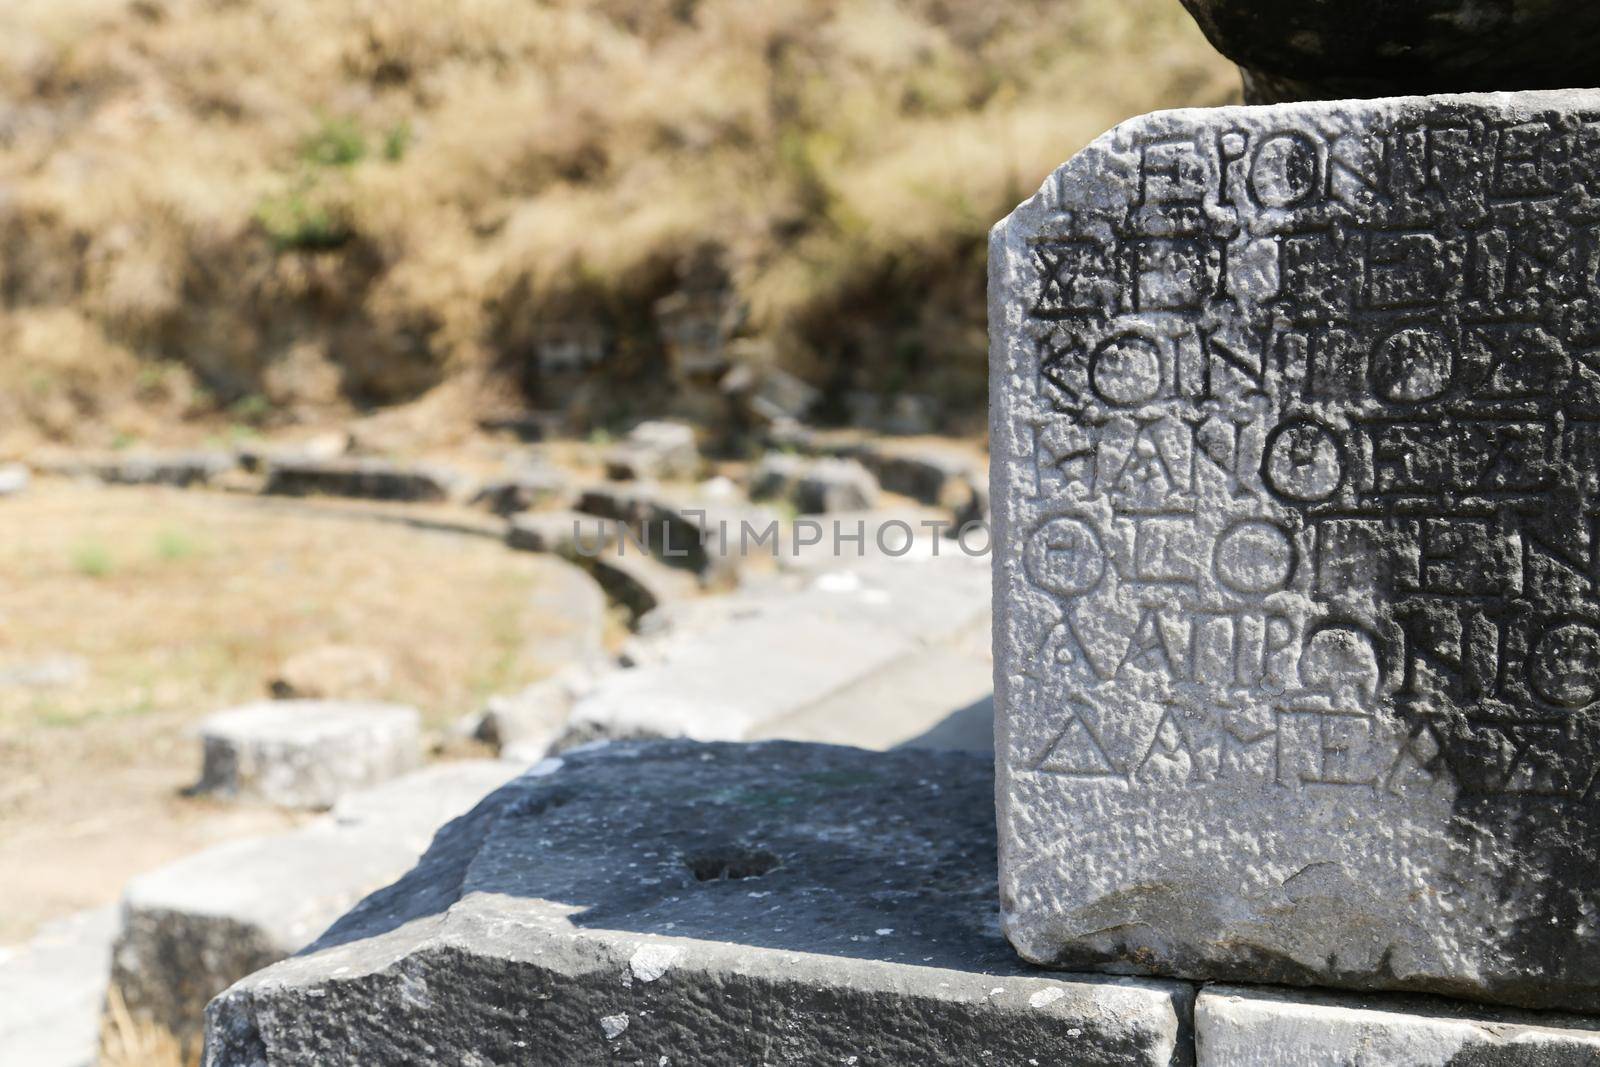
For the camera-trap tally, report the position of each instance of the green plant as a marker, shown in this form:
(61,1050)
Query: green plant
(93,559)
(337,142)
(250,410)
(173,545)
(298,220)
(396,140)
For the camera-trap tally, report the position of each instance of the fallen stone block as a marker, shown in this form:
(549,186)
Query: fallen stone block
(527,724)
(928,474)
(52,990)
(525,490)
(1255,1027)
(1296,683)
(369,479)
(192,928)
(712,537)
(181,470)
(636,581)
(567,534)
(306,753)
(814,486)
(656,449)
(705,904)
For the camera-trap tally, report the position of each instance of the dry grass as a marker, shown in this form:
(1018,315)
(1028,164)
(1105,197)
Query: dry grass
(181,604)
(389,194)
(126,1041)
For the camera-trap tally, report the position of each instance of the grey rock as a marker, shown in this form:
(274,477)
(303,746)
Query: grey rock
(194,927)
(708,534)
(369,479)
(656,449)
(306,753)
(1348,48)
(562,533)
(14,478)
(814,486)
(636,581)
(1295,467)
(181,470)
(529,488)
(1252,1027)
(530,721)
(260,456)
(769,395)
(929,474)
(52,990)
(706,904)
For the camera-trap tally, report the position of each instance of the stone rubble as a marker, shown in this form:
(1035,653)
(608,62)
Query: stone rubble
(368,479)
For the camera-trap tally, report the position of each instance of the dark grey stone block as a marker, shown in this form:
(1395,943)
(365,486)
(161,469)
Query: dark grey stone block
(674,902)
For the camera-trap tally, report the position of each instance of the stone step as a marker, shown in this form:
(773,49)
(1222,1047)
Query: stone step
(680,903)
(775,655)
(191,928)
(368,479)
(1239,1026)
(52,990)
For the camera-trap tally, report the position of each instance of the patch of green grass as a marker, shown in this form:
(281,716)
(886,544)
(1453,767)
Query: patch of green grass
(298,221)
(337,142)
(396,140)
(93,559)
(250,410)
(174,545)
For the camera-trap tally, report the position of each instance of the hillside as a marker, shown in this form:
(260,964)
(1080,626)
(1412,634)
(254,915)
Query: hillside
(249,213)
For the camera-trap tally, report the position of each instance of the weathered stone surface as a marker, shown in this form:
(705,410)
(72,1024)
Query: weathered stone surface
(192,928)
(179,469)
(370,479)
(306,753)
(561,533)
(814,486)
(775,655)
(528,488)
(705,904)
(52,990)
(929,474)
(332,672)
(706,533)
(1253,1027)
(528,723)
(656,449)
(1348,48)
(1296,465)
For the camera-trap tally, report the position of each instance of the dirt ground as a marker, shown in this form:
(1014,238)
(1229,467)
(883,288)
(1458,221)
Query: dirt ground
(127,614)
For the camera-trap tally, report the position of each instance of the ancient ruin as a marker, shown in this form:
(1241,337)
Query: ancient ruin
(1296,446)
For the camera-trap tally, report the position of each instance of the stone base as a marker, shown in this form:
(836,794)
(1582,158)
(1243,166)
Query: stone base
(685,903)
(306,753)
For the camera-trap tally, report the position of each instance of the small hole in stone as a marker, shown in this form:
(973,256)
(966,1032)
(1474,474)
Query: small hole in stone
(720,865)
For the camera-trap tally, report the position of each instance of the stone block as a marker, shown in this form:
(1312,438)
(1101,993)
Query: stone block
(306,753)
(1296,469)
(192,928)
(526,489)
(776,653)
(706,904)
(814,486)
(561,533)
(655,449)
(180,470)
(929,474)
(368,479)
(52,990)
(1254,1027)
